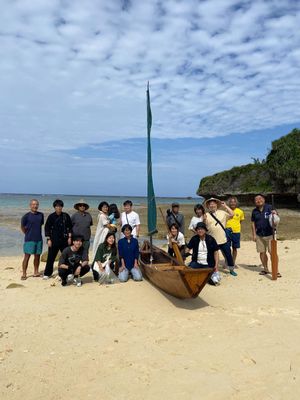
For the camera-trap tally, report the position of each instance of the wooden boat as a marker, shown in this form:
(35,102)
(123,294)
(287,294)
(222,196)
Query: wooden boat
(169,275)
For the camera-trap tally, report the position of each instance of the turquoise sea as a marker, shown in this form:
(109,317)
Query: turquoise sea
(14,206)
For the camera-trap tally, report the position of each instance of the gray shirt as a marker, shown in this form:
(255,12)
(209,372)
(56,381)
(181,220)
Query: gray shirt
(177,219)
(82,224)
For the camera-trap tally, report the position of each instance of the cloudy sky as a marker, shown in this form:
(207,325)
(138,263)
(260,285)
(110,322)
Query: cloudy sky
(224,76)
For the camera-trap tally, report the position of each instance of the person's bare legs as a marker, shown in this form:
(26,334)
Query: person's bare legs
(25,266)
(234,254)
(264,261)
(36,264)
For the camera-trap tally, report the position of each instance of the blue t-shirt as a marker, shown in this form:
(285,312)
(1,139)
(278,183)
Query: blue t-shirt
(261,220)
(32,222)
(129,251)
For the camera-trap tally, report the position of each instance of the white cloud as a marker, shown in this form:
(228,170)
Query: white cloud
(75,72)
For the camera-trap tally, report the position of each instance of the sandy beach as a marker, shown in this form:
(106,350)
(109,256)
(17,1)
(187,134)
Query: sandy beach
(130,341)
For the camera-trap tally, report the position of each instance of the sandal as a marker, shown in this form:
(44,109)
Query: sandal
(23,278)
(264,272)
(279,275)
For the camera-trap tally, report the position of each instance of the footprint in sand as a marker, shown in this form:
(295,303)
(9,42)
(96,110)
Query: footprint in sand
(14,286)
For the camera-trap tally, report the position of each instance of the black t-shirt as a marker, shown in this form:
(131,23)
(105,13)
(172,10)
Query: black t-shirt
(73,258)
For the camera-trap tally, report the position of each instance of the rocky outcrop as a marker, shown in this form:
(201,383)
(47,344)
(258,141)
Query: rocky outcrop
(279,174)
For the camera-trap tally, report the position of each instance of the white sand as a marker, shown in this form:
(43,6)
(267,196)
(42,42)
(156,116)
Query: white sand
(130,341)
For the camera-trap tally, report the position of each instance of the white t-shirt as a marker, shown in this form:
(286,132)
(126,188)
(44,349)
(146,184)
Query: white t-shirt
(202,253)
(132,219)
(180,239)
(194,222)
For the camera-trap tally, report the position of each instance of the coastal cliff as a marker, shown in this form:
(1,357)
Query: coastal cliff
(278,174)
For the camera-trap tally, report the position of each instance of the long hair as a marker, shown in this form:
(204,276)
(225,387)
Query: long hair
(113,209)
(113,246)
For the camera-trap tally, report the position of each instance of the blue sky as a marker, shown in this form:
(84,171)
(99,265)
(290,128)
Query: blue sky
(224,76)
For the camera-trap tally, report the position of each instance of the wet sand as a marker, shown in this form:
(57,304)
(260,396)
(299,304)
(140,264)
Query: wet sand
(130,341)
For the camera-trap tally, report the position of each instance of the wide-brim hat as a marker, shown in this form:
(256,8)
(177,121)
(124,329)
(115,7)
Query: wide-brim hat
(81,203)
(212,199)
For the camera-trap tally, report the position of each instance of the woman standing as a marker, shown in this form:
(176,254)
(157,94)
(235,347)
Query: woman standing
(199,217)
(103,226)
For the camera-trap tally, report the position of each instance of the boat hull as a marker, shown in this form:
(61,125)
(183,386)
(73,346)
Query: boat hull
(168,275)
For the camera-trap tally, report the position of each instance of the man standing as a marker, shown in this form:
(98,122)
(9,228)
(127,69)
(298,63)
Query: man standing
(215,221)
(233,226)
(31,226)
(262,231)
(175,217)
(130,217)
(82,222)
(58,231)
(73,263)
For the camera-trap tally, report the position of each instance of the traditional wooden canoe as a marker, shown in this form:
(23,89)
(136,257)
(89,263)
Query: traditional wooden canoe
(166,273)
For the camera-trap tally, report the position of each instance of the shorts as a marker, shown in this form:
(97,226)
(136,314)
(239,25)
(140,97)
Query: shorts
(233,238)
(263,244)
(33,247)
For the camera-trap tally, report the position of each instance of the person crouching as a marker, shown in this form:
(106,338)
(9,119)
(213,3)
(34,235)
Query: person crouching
(73,263)
(106,253)
(175,236)
(205,251)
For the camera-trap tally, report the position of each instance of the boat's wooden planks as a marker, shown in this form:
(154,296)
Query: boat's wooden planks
(166,273)
(197,281)
(170,281)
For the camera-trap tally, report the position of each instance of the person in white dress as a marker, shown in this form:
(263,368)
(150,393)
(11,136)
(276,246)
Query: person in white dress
(103,226)
(131,218)
(199,217)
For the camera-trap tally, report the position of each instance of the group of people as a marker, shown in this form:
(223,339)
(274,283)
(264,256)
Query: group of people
(216,226)
(71,236)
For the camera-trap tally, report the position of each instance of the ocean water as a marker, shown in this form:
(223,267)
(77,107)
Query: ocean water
(14,206)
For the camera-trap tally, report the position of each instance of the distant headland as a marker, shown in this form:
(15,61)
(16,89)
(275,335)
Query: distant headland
(278,174)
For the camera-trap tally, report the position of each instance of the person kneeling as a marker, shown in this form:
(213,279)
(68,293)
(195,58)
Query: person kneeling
(73,262)
(106,254)
(129,254)
(175,236)
(205,251)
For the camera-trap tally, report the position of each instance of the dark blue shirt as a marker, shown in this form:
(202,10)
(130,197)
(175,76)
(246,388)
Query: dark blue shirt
(261,220)
(129,251)
(32,223)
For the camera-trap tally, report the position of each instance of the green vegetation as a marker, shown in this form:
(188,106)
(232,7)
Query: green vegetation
(280,172)
(283,162)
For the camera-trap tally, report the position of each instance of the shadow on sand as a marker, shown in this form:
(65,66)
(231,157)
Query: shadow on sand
(252,268)
(187,304)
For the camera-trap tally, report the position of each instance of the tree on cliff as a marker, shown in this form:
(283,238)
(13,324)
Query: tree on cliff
(280,172)
(283,162)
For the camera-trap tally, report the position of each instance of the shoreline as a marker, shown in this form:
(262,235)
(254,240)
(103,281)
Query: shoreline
(288,229)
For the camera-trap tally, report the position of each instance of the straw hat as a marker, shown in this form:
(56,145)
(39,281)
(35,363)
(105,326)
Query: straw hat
(212,199)
(81,203)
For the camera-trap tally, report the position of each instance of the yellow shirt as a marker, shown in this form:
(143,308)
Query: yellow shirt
(235,222)
(215,229)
